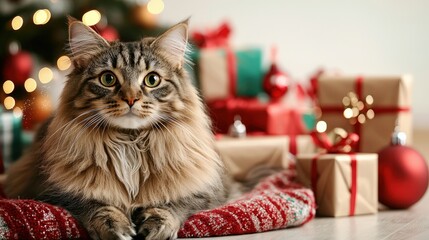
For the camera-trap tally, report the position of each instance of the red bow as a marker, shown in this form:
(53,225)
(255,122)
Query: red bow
(339,142)
(214,38)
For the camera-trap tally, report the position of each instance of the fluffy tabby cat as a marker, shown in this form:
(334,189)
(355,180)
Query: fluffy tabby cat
(129,151)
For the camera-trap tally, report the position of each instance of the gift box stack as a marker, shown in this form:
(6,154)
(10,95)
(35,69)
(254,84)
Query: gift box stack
(345,176)
(338,158)
(231,82)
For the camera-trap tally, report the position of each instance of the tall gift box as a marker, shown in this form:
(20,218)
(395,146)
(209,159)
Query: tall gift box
(344,184)
(368,106)
(223,72)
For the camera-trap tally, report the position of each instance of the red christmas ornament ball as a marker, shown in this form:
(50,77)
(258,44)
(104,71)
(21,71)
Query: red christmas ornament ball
(18,67)
(402,176)
(109,33)
(276,83)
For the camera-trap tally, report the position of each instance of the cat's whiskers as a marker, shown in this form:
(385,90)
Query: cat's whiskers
(72,125)
(65,129)
(181,124)
(95,123)
(165,127)
(68,123)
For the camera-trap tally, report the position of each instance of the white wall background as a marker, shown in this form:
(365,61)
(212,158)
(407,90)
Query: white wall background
(380,37)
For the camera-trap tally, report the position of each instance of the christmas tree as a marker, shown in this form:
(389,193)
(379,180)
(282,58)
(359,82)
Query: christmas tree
(33,50)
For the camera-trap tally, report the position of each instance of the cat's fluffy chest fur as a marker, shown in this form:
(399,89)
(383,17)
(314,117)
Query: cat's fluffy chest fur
(129,170)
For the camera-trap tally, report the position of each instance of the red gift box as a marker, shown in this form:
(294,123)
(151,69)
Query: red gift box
(258,117)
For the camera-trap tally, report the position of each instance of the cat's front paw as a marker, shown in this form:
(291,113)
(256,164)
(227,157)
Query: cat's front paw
(110,223)
(156,223)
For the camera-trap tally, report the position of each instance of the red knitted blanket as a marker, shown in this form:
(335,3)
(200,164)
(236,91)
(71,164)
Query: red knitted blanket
(276,202)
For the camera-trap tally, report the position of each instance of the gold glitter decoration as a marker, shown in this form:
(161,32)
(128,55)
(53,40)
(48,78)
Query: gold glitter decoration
(356,110)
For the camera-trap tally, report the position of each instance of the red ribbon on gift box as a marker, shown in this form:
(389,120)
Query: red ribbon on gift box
(344,145)
(359,92)
(219,38)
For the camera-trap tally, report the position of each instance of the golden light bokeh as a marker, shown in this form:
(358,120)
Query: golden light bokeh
(361,118)
(30,85)
(17,112)
(321,126)
(91,18)
(348,113)
(45,75)
(41,16)
(9,102)
(63,63)
(17,22)
(155,6)
(369,99)
(8,86)
(370,114)
(346,101)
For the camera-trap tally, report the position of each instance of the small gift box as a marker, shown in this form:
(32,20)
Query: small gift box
(243,154)
(369,106)
(223,72)
(266,118)
(345,184)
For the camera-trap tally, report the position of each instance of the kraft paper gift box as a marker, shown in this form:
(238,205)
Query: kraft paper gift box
(344,184)
(222,72)
(243,154)
(391,97)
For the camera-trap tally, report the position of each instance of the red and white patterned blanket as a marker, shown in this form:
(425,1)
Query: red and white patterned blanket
(276,202)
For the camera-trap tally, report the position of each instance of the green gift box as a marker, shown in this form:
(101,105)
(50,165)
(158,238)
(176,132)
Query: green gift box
(223,73)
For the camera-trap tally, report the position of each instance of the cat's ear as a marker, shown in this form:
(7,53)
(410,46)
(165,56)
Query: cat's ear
(174,43)
(84,42)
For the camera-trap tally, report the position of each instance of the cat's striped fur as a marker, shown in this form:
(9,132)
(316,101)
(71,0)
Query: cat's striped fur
(130,157)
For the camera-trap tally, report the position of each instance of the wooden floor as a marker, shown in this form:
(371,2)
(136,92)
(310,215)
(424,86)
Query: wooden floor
(407,224)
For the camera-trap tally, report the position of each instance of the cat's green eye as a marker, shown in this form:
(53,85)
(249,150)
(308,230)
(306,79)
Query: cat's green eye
(152,80)
(108,79)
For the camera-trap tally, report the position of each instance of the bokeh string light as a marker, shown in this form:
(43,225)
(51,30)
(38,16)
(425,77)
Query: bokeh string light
(41,16)
(63,63)
(45,75)
(9,102)
(30,85)
(91,18)
(8,86)
(17,23)
(155,6)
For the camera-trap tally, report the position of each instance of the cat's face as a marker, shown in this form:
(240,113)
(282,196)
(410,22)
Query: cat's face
(127,85)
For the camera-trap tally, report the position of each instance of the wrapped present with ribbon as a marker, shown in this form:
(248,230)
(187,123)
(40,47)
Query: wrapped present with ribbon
(368,106)
(269,118)
(246,153)
(345,183)
(243,154)
(223,72)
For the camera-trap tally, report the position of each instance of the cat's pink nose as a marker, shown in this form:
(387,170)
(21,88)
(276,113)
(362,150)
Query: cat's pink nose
(130,101)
